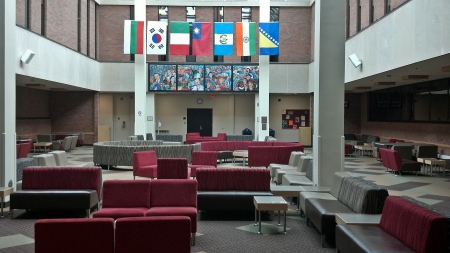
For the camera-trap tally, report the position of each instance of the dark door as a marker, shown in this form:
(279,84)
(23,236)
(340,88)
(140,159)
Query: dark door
(199,120)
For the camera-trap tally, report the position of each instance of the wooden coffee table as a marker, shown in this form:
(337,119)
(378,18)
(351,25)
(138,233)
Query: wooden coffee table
(270,203)
(40,145)
(4,191)
(240,153)
(357,219)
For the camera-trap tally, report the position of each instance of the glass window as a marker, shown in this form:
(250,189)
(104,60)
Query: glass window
(190,14)
(246,14)
(421,101)
(163,14)
(218,14)
(439,91)
(274,14)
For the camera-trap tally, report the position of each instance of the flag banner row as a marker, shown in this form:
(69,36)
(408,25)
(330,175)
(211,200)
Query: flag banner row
(225,36)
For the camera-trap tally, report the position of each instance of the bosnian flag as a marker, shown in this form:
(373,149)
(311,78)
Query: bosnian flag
(133,36)
(269,38)
(245,39)
(201,38)
(223,38)
(179,38)
(156,37)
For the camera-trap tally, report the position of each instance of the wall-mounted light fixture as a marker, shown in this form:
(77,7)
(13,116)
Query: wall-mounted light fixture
(356,61)
(27,56)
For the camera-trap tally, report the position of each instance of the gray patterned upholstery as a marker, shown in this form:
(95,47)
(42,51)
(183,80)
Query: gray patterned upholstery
(169,137)
(359,196)
(239,137)
(21,164)
(120,153)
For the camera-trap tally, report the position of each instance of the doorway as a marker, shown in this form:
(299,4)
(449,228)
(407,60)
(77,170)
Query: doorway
(199,120)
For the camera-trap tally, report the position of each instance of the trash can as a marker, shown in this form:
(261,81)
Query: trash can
(271,132)
(246,132)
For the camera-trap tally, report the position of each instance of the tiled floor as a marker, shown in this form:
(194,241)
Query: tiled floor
(432,190)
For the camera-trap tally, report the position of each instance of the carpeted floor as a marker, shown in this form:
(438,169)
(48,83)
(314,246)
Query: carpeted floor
(235,232)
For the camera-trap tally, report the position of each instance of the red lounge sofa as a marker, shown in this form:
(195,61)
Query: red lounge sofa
(202,159)
(74,235)
(58,188)
(139,198)
(144,164)
(161,234)
(397,164)
(260,153)
(231,188)
(23,149)
(404,227)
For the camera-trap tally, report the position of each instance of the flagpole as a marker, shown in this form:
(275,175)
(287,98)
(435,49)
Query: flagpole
(140,84)
(262,98)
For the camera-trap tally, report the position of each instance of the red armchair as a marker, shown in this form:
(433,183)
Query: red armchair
(153,234)
(124,198)
(222,136)
(175,197)
(74,235)
(144,164)
(172,168)
(202,159)
(348,149)
(396,162)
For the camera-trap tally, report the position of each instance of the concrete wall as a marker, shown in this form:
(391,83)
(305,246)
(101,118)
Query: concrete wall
(408,35)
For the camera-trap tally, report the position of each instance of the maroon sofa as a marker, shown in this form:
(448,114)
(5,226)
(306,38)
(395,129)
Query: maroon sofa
(404,227)
(260,153)
(140,198)
(231,188)
(58,188)
(98,235)
(23,149)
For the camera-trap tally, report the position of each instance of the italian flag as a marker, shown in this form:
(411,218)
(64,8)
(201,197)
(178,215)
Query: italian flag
(246,39)
(179,38)
(133,35)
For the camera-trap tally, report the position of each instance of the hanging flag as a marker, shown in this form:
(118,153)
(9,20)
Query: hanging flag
(179,38)
(223,38)
(246,39)
(269,38)
(156,37)
(133,35)
(201,38)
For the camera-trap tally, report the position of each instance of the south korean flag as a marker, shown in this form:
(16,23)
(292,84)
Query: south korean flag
(156,37)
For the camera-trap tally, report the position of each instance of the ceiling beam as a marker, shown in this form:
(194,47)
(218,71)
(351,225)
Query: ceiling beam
(446,69)
(414,77)
(362,88)
(35,85)
(383,83)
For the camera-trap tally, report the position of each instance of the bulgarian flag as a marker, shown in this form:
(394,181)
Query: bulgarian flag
(246,39)
(133,35)
(179,38)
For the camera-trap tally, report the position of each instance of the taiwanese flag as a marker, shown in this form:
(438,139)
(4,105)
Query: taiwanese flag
(201,38)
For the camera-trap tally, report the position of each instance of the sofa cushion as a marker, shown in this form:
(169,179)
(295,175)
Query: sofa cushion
(233,179)
(62,178)
(123,193)
(173,192)
(191,212)
(358,196)
(420,229)
(116,212)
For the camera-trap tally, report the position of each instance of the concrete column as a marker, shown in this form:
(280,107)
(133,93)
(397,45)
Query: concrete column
(140,76)
(8,59)
(152,121)
(264,69)
(328,89)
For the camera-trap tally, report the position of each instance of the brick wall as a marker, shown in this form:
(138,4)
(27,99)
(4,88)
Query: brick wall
(32,111)
(83,27)
(110,32)
(74,112)
(378,9)
(355,121)
(365,13)
(352,114)
(20,12)
(295,35)
(92,27)
(397,3)
(62,24)
(35,16)
(353,17)
(313,24)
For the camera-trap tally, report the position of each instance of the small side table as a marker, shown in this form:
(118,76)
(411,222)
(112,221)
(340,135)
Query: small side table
(4,191)
(357,219)
(270,203)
